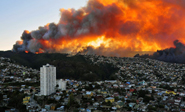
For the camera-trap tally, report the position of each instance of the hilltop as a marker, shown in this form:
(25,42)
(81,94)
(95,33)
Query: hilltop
(72,67)
(139,83)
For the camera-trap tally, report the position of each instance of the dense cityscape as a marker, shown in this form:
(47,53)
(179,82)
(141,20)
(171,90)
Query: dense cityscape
(92,56)
(138,85)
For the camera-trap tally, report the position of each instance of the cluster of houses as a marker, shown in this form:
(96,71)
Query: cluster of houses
(11,72)
(15,77)
(140,85)
(114,95)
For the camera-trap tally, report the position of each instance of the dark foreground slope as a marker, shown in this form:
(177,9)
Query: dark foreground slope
(74,67)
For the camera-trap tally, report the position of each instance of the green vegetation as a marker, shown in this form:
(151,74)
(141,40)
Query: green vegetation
(165,86)
(151,108)
(74,67)
(16,102)
(72,102)
(21,83)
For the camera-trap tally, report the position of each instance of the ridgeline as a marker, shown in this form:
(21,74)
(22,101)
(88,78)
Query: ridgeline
(73,67)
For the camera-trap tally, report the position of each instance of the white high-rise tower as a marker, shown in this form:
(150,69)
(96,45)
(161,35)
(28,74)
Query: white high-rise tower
(47,79)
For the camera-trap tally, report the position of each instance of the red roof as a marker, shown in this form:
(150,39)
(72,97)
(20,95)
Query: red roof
(131,90)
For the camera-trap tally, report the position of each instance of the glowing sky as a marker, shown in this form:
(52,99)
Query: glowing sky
(19,15)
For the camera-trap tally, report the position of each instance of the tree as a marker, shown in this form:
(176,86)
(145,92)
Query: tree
(49,101)
(18,104)
(116,98)
(31,90)
(183,98)
(161,106)
(56,87)
(123,99)
(142,93)
(150,108)
(70,100)
(109,103)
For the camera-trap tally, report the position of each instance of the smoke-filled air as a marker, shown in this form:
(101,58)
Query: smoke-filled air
(111,28)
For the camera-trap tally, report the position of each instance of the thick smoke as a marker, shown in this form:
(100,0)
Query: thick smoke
(175,55)
(111,28)
(23,45)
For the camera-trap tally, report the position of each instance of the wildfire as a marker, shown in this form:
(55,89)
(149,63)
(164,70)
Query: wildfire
(39,51)
(26,31)
(112,27)
(98,42)
(26,51)
(19,42)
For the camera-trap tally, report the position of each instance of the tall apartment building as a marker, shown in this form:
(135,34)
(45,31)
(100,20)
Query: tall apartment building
(47,79)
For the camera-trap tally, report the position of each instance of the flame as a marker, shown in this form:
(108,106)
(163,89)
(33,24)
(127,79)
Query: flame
(19,42)
(98,42)
(26,51)
(26,31)
(47,26)
(39,51)
(118,27)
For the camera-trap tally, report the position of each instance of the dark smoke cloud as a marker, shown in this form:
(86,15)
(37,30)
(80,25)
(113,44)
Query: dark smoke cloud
(34,46)
(129,27)
(146,28)
(73,24)
(52,32)
(26,37)
(103,51)
(174,55)
(38,34)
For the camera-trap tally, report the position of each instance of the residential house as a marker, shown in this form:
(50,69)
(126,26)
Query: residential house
(111,99)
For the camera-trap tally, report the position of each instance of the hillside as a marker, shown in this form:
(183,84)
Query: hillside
(74,67)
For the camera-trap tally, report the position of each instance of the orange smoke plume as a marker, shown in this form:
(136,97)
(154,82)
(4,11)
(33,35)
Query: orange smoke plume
(112,28)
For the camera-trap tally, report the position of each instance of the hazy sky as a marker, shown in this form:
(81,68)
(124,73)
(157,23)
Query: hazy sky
(19,15)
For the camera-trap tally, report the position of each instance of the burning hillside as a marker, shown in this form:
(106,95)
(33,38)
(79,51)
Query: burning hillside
(111,28)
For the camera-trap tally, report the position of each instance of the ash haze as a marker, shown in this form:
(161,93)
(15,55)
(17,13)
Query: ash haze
(18,15)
